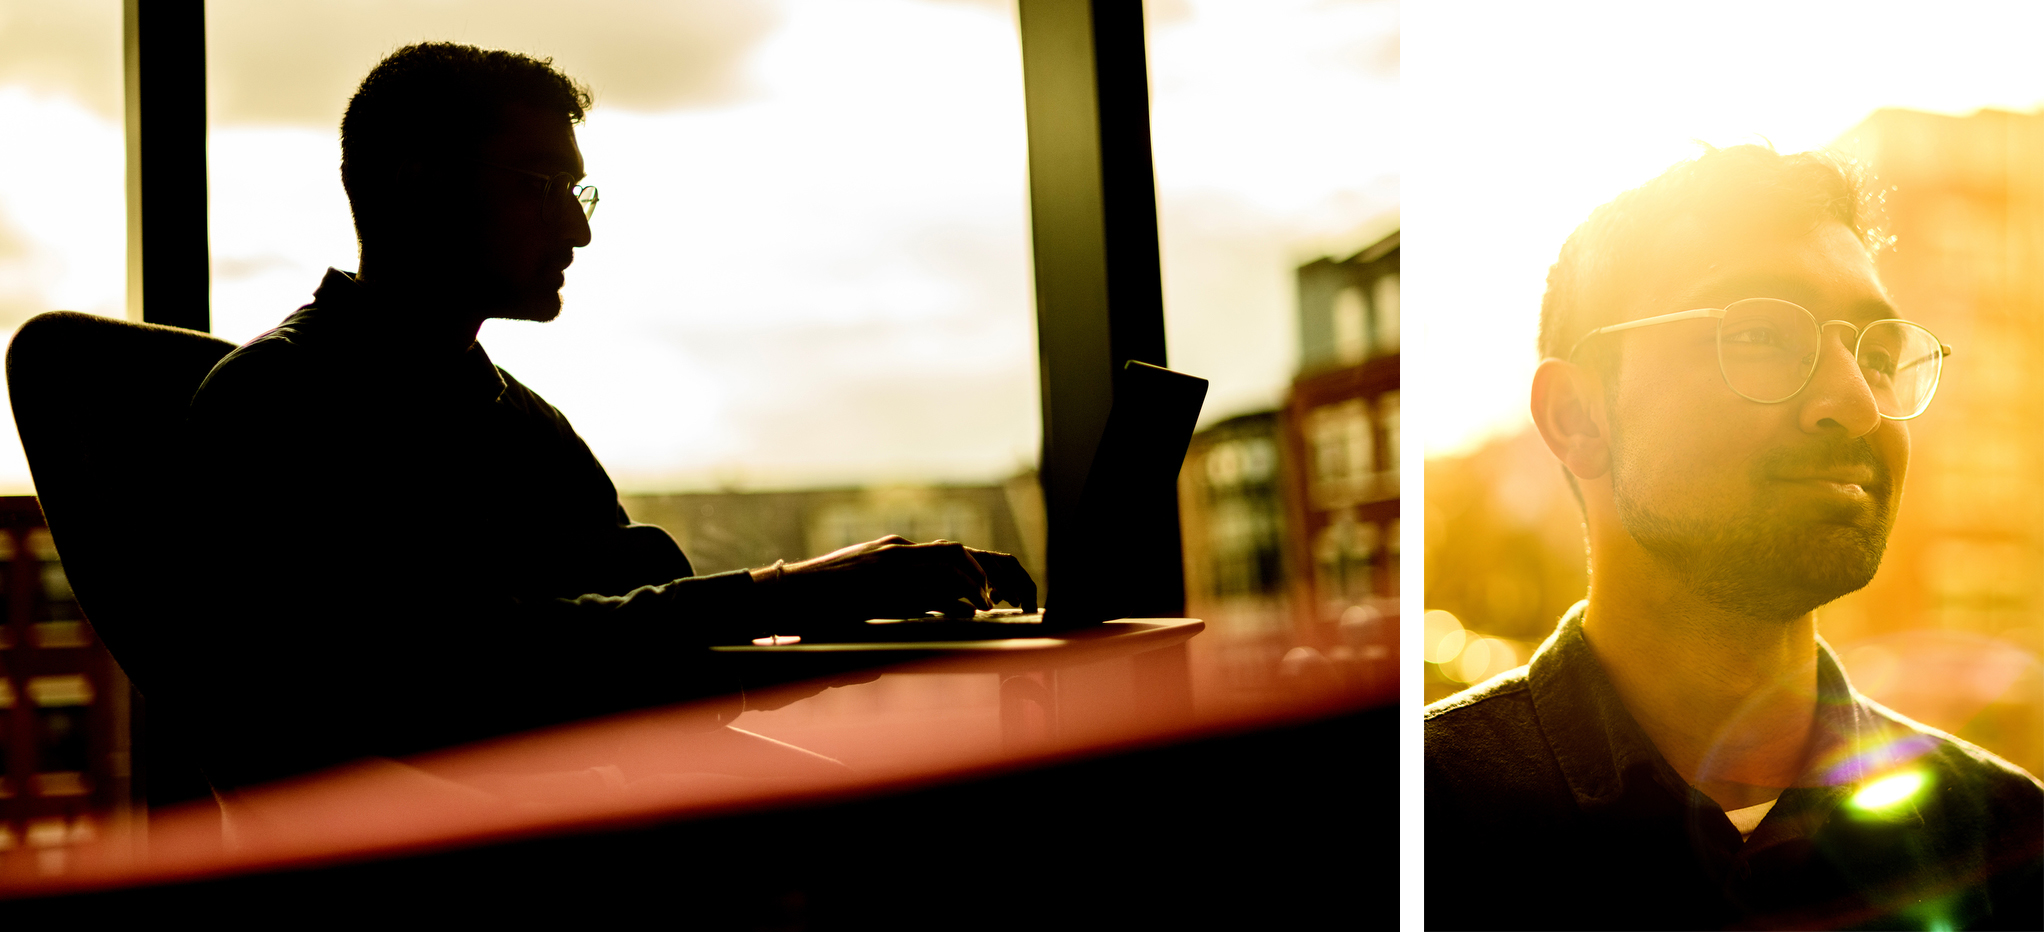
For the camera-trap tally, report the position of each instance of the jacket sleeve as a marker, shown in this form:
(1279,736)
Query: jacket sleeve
(315,499)
(341,608)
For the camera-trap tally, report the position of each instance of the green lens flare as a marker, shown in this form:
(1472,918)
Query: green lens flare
(1888,792)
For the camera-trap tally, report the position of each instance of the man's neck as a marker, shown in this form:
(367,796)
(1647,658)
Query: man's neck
(428,311)
(1729,700)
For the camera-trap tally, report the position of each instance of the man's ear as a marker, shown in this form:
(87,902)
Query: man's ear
(1568,408)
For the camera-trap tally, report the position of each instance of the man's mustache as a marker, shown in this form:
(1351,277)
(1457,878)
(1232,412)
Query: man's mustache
(1824,456)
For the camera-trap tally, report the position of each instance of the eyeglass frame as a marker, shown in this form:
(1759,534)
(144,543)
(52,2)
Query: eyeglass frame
(1718,314)
(574,189)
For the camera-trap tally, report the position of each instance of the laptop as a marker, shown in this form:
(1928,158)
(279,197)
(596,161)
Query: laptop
(1126,524)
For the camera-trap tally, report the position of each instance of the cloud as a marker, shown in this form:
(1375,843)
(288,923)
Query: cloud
(298,61)
(22,273)
(72,49)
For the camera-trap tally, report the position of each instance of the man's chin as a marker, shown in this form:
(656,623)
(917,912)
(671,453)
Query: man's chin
(1768,568)
(538,308)
(1786,582)
(1832,560)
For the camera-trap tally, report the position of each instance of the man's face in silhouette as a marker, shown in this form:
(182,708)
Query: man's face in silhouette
(525,239)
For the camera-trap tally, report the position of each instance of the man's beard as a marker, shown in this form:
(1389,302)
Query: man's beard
(1779,559)
(503,298)
(477,278)
(539,305)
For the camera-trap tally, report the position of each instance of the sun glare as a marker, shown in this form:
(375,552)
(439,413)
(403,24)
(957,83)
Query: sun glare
(1887,793)
(782,264)
(1519,122)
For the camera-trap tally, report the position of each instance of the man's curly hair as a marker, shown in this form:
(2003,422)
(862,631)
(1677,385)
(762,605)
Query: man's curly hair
(435,102)
(1609,261)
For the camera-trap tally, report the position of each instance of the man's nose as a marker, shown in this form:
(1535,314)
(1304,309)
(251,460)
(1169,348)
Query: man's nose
(1838,396)
(578,225)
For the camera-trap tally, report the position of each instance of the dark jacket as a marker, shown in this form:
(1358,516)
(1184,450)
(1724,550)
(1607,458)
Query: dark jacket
(402,551)
(1548,808)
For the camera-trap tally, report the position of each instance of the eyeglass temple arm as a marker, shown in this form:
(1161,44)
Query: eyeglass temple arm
(1692,314)
(1943,351)
(1663,319)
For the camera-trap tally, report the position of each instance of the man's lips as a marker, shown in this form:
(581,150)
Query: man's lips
(1852,475)
(1844,479)
(1851,481)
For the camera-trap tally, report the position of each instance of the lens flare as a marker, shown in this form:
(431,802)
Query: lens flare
(1474,662)
(1889,792)
(1444,636)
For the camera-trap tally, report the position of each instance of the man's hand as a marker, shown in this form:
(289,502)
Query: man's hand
(894,577)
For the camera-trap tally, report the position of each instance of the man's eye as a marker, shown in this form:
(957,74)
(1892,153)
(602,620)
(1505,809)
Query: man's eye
(1754,336)
(1878,361)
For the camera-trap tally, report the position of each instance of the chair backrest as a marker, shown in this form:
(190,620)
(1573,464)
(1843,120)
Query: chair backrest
(100,405)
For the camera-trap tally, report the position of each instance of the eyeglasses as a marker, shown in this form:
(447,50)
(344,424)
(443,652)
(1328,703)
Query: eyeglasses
(584,194)
(1768,349)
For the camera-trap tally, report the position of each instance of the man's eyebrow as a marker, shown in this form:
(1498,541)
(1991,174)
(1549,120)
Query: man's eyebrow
(1870,309)
(1731,288)
(545,163)
(1721,291)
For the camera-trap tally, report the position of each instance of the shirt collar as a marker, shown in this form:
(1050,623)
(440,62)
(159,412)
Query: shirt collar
(1601,750)
(1605,756)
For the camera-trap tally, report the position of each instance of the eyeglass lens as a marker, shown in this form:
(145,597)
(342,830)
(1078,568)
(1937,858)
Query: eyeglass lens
(1768,350)
(584,195)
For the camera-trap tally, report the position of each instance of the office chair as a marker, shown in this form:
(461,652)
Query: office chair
(100,406)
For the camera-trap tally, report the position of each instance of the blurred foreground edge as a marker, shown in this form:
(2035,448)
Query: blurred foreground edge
(1249,817)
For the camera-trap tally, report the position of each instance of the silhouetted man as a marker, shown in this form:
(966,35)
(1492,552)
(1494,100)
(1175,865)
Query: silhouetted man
(413,549)
(1727,386)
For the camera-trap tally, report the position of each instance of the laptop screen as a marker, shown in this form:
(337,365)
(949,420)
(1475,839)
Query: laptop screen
(1124,558)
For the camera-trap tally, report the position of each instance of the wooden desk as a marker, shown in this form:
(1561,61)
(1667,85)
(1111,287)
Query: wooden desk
(1034,710)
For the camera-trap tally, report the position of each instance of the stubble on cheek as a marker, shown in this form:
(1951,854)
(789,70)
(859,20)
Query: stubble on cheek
(1754,544)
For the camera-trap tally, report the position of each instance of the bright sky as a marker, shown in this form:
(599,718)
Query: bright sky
(811,263)
(1519,119)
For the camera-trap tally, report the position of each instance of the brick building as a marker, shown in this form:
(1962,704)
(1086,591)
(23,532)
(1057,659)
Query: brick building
(1291,516)
(64,707)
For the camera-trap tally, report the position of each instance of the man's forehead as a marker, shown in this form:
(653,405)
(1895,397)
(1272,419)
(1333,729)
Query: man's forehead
(1826,269)
(534,140)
